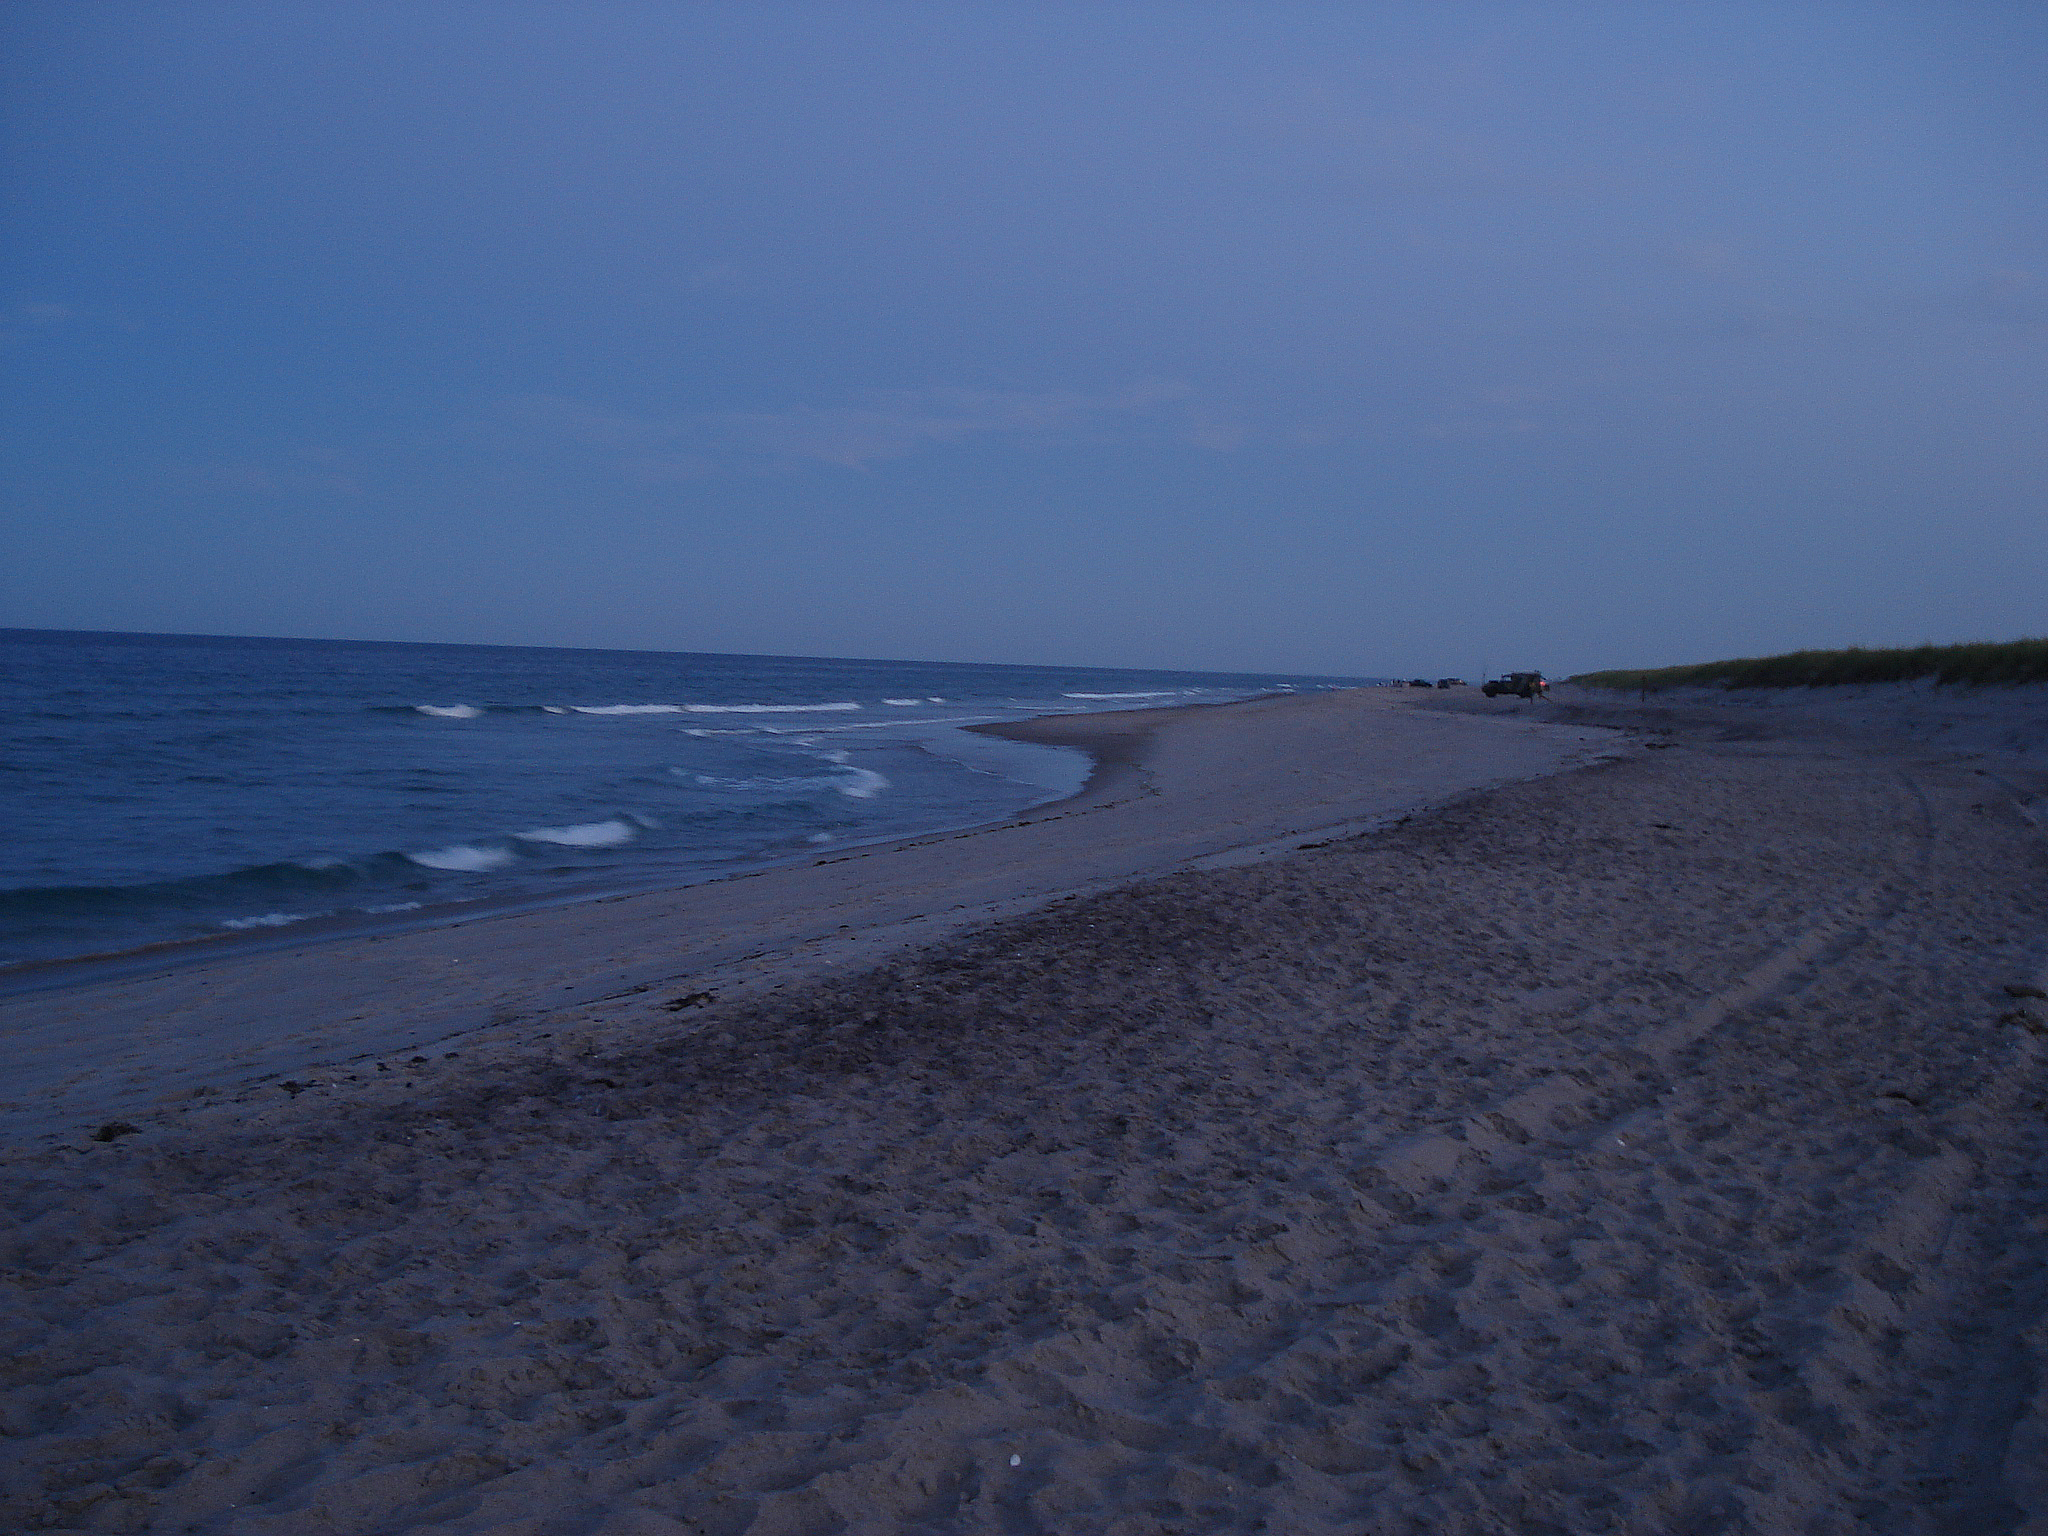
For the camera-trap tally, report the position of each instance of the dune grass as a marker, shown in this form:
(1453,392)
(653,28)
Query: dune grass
(1987,663)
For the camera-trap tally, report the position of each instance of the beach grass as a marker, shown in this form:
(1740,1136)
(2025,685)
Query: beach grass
(2003,662)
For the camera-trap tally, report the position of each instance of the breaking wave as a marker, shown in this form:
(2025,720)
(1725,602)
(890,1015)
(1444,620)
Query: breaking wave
(854,782)
(464,857)
(267,920)
(706,709)
(612,832)
(766,709)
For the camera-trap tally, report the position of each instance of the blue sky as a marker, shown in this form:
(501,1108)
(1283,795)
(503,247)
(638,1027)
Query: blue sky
(1343,338)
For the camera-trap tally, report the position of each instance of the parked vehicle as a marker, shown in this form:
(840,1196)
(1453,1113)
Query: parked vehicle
(1525,685)
(1450,682)
(1418,682)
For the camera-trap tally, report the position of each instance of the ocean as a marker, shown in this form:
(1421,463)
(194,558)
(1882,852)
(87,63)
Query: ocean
(162,788)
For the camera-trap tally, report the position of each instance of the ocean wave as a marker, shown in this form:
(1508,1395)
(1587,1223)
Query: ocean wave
(251,885)
(766,709)
(464,857)
(854,782)
(1157,693)
(456,711)
(267,920)
(906,703)
(264,895)
(612,832)
(862,784)
(894,723)
(708,709)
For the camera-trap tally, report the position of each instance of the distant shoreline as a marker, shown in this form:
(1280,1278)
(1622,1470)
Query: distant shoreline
(1113,750)
(191,795)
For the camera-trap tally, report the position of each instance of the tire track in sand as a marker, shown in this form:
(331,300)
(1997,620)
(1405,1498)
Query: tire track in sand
(1894,1290)
(1573,1106)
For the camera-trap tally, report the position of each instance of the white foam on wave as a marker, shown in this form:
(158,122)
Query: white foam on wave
(704,709)
(855,783)
(850,781)
(907,703)
(861,784)
(1157,693)
(765,709)
(267,920)
(464,857)
(395,906)
(609,833)
(449,711)
(812,732)
(862,725)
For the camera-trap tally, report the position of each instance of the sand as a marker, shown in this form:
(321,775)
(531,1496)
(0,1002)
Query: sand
(1651,1142)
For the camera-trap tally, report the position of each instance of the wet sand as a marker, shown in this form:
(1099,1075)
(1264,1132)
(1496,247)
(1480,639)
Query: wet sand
(1653,1145)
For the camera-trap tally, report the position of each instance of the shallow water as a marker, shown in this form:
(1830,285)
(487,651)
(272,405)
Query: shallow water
(163,787)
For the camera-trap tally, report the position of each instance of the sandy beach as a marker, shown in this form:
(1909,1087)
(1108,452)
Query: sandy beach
(1217,785)
(1374,1112)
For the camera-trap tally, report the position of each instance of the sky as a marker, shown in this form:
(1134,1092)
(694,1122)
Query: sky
(1346,338)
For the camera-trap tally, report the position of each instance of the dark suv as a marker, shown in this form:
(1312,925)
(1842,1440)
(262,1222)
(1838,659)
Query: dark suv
(1527,685)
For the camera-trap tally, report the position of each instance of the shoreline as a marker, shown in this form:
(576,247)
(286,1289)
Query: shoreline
(1112,755)
(1177,787)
